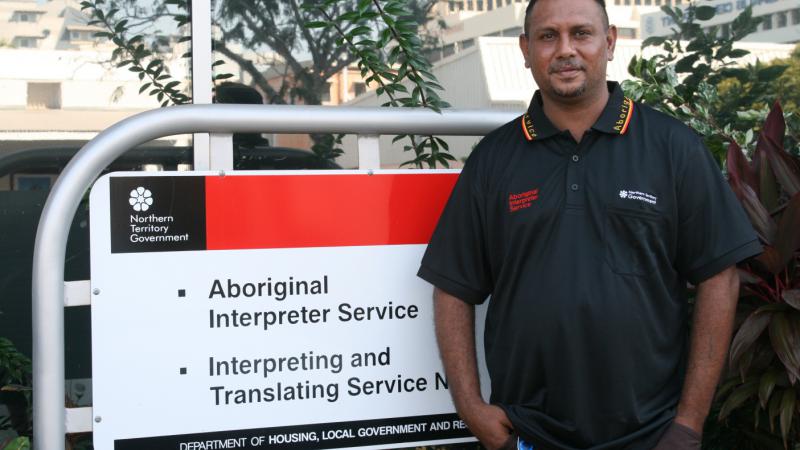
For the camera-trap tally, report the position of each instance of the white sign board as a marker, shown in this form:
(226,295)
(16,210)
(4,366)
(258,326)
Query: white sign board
(266,311)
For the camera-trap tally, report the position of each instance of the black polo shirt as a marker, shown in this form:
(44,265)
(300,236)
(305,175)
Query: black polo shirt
(585,249)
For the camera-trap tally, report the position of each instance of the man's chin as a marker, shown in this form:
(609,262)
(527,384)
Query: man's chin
(569,91)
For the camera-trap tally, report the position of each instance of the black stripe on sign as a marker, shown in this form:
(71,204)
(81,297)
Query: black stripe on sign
(314,436)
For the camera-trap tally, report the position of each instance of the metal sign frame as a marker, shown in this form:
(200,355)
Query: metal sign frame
(51,419)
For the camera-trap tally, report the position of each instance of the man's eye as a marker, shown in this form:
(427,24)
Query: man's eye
(547,36)
(583,33)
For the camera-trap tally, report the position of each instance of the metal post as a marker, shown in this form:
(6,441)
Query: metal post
(51,238)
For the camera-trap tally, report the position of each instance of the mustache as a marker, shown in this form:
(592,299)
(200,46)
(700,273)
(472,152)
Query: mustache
(565,65)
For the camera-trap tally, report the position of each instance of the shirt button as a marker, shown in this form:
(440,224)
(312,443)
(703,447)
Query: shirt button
(576,158)
(574,187)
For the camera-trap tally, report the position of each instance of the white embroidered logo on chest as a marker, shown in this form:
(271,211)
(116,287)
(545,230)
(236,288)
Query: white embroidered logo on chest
(637,195)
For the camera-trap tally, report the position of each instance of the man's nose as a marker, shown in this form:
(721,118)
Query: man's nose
(566,47)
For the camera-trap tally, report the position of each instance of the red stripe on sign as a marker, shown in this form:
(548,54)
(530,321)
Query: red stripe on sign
(287,211)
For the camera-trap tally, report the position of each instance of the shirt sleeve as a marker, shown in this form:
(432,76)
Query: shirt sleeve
(713,229)
(456,258)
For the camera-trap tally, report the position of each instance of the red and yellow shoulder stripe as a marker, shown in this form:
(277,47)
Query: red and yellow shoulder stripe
(625,114)
(527,127)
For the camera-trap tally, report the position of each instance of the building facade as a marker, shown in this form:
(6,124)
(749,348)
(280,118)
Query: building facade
(780,20)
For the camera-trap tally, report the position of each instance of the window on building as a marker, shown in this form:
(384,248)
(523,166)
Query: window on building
(796,16)
(25,42)
(24,16)
(637,2)
(480,5)
(782,19)
(44,95)
(767,24)
(448,50)
(359,88)
(467,44)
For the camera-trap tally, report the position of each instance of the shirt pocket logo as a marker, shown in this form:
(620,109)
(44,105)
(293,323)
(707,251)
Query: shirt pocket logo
(522,200)
(632,241)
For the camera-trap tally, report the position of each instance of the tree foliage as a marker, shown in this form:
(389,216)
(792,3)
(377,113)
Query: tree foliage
(695,78)
(292,30)
(390,57)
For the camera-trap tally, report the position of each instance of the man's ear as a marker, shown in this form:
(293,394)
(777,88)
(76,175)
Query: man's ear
(611,41)
(523,47)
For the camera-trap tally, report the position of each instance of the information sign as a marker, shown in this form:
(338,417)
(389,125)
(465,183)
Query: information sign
(266,311)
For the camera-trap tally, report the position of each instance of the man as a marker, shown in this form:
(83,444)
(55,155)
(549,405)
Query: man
(583,220)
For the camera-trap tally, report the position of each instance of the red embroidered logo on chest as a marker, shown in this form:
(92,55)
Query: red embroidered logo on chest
(522,200)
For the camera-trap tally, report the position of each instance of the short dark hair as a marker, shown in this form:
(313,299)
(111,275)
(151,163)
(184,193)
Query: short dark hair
(528,10)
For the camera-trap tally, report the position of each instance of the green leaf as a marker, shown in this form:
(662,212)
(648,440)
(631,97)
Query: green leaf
(705,12)
(768,185)
(144,87)
(750,330)
(360,30)
(18,443)
(792,298)
(771,73)
(738,53)
(766,385)
(784,333)
(172,84)
(120,27)
(153,64)
(787,413)
(684,65)
(316,24)
(774,409)
(223,76)
(653,40)
(759,216)
(770,141)
(217,63)
(737,398)
(787,239)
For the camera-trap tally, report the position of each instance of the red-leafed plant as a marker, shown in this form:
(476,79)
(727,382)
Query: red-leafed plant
(765,352)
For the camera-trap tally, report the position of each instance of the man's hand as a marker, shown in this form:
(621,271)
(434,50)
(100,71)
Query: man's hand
(455,333)
(712,326)
(679,437)
(489,424)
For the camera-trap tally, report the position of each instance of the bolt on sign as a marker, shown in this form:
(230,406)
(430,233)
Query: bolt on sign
(266,311)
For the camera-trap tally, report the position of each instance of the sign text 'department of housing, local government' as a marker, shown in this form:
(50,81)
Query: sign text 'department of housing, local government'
(266,311)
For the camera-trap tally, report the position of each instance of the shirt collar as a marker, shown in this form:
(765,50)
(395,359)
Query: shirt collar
(614,119)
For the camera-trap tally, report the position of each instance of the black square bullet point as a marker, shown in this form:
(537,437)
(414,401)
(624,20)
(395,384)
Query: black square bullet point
(183,370)
(181,292)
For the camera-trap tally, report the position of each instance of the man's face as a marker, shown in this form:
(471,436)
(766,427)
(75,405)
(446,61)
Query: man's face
(568,47)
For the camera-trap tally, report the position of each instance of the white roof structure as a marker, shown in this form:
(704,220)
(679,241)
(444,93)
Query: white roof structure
(492,75)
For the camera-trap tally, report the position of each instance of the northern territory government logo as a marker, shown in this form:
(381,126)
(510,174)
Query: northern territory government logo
(141,199)
(637,195)
(157,214)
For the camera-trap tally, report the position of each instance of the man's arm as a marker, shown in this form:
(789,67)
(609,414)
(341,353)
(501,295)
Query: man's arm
(455,333)
(714,311)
